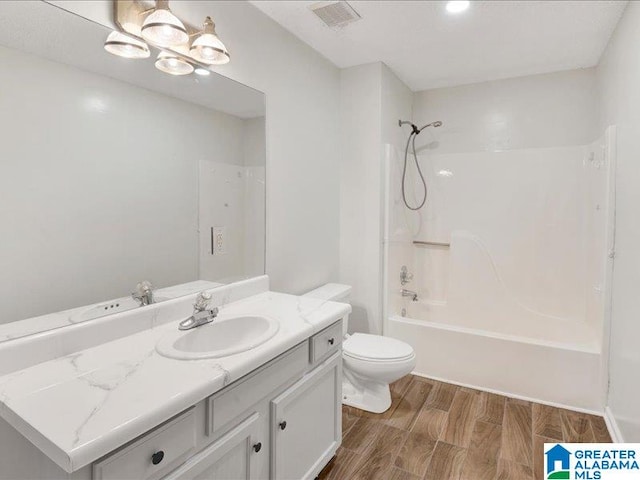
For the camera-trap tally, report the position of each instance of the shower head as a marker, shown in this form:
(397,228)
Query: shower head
(415,129)
(435,124)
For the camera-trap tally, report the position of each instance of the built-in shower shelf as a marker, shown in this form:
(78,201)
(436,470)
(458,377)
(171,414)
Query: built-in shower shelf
(431,244)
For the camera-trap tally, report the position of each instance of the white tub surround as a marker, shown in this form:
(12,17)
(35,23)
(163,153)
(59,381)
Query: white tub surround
(511,259)
(89,392)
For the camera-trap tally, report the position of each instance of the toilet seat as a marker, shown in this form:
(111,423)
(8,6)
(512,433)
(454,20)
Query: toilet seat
(376,348)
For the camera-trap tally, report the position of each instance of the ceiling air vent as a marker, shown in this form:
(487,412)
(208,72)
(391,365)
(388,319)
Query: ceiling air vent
(335,14)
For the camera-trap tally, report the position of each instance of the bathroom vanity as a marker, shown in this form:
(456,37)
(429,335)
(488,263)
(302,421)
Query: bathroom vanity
(99,401)
(96,383)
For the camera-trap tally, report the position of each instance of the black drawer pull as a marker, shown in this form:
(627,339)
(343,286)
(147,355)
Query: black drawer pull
(257,447)
(157,457)
(283,425)
(331,341)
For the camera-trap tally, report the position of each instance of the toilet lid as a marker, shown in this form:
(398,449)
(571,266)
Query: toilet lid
(376,347)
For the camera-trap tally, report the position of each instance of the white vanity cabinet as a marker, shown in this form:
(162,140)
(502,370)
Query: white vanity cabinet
(266,446)
(236,455)
(282,421)
(306,423)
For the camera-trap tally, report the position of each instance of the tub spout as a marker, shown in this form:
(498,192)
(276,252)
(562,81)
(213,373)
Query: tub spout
(409,293)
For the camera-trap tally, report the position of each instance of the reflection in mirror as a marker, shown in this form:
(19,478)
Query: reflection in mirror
(114,173)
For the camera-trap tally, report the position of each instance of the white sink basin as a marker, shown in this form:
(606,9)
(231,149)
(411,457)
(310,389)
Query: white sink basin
(226,335)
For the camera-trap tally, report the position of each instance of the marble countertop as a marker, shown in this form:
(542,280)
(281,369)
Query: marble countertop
(79,407)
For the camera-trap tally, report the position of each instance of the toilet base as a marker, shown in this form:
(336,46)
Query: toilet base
(367,395)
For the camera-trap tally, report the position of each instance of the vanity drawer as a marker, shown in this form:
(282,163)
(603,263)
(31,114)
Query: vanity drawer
(326,342)
(153,454)
(225,406)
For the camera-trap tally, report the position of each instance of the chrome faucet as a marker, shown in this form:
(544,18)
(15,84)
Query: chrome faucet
(201,313)
(409,293)
(143,293)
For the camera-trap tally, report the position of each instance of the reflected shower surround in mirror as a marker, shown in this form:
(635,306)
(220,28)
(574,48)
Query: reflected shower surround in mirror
(183,47)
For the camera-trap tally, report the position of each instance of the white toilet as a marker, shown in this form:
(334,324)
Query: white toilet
(370,362)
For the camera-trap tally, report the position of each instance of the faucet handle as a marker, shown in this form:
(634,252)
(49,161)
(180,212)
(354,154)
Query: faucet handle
(405,275)
(143,293)
(143,287)
(202,301)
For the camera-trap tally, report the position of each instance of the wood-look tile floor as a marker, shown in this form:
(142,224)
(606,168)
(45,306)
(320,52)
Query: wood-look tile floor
(438,431)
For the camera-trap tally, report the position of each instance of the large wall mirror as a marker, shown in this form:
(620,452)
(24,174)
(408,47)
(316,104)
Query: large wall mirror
(114,173)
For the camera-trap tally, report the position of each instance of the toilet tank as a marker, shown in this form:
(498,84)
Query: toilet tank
(333,292)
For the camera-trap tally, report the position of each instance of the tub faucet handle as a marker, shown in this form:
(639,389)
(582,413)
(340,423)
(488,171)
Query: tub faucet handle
(405,275)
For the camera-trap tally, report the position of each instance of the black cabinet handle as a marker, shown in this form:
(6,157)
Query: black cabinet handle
(257,447)
(331,340)
(283,425)
(157,457)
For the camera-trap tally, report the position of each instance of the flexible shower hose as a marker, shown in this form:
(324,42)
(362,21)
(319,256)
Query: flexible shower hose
(412,140)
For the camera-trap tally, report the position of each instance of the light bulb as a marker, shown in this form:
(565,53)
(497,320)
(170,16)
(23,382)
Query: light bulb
(164,29)
(122,45)
(457,6)
(208,48)
(170,63)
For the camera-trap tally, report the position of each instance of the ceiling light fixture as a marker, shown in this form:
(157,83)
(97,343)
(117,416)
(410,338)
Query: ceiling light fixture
(122,45)
(163,28)
(202,72)
(458,6)
(208,48)
(172,64)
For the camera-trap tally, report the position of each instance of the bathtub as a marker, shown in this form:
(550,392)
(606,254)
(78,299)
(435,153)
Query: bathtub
(510,259)
(548,363)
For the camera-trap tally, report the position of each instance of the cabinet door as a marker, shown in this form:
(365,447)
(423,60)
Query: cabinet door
(234,456)
(306,423)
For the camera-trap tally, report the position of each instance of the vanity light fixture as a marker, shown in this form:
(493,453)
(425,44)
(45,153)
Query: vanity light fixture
(172,64)
(185,48)
(207,47)
(163,28)
(123,45)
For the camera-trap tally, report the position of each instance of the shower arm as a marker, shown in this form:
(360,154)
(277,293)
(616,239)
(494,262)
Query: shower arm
(414,128)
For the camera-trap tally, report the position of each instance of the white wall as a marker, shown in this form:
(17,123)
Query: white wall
(83,212)
(302,90)
(551,110)
(618,78)
(372,99)
(360,192)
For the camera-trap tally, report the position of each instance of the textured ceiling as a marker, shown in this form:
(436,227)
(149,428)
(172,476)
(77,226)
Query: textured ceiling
(428,47)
